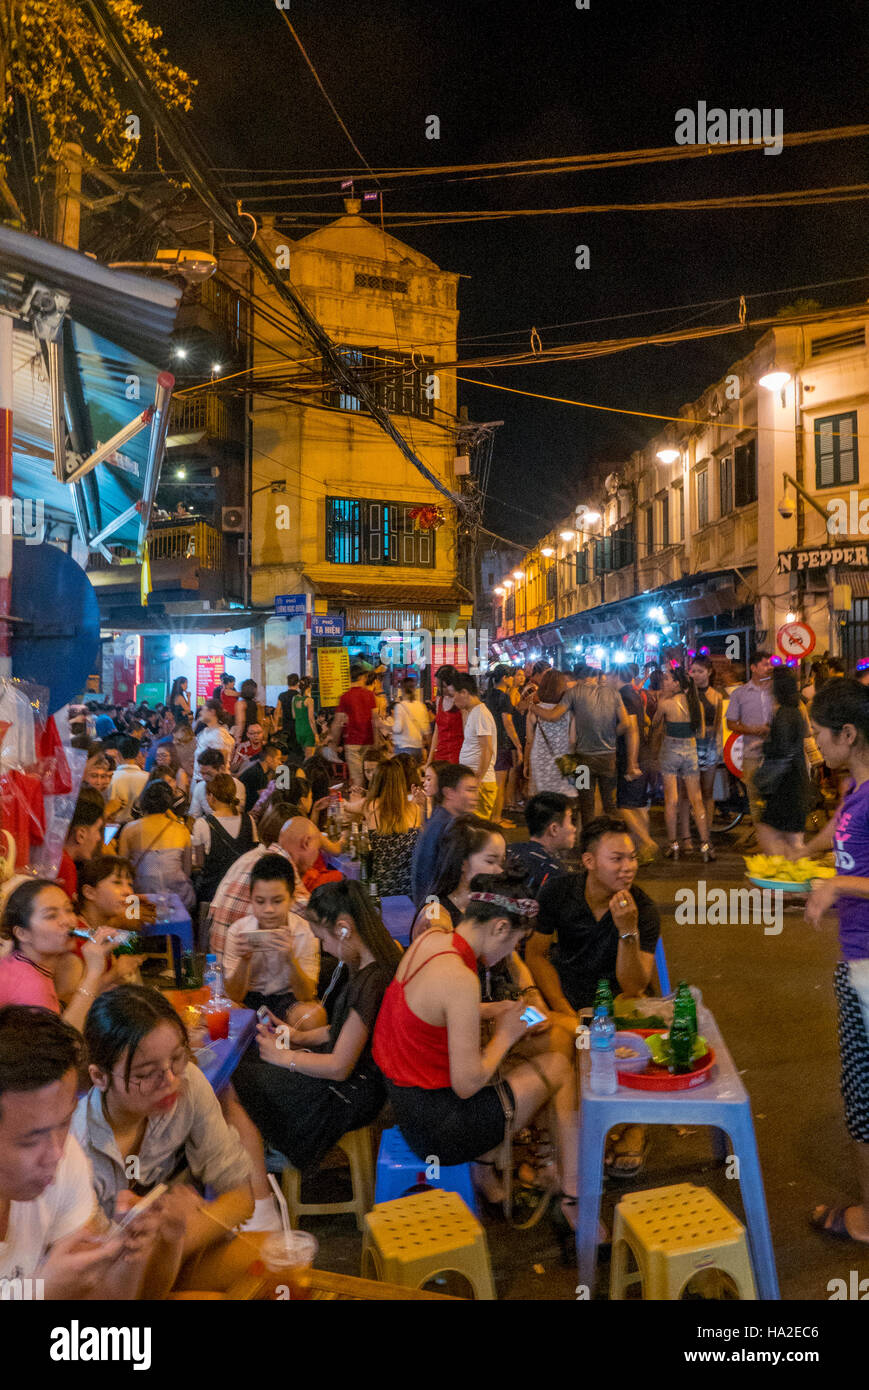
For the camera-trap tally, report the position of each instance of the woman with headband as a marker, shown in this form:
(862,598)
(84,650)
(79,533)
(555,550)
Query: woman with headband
(451,1097)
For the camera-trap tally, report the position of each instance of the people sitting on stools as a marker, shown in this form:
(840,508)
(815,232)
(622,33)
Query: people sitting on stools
(271,957)
(316,1080)
(597,925)
(450,1095)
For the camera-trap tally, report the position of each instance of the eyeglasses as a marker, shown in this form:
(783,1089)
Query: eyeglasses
(152,1080)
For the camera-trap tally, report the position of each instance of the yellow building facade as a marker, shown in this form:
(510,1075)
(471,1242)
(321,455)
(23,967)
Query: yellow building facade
(330,491)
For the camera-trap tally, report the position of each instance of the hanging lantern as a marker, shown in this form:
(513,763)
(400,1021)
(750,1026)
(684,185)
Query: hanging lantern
(427,517)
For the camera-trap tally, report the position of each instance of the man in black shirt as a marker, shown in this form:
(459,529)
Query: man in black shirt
(256,778)
(552,829)
(604,926)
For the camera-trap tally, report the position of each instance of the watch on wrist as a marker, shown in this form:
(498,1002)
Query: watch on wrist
(629,936)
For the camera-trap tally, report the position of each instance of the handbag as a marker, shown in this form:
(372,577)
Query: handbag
(567,763)
(770,773)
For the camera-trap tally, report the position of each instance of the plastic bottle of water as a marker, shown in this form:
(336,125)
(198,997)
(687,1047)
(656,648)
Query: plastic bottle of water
(603,1080)
(212,977)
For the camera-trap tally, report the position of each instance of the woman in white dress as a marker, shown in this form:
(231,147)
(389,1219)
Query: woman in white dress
(548,739)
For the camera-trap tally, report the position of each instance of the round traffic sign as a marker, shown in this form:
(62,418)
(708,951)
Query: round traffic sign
(733,754)
(795,639)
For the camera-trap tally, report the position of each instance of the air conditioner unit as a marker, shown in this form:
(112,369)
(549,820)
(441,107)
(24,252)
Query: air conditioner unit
(233,519)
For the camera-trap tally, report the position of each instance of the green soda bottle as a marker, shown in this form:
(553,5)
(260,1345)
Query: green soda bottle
(603,998)
(681,1045)
(684,1005)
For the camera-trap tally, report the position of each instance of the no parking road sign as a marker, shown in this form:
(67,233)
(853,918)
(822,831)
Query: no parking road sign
(795,639)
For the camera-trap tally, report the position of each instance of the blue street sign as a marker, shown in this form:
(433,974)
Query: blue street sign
(290,605)
(325,625)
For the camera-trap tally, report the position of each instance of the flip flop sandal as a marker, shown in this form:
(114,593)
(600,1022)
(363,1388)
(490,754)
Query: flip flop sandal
(830,1221)
(625,1166)
(531,1203)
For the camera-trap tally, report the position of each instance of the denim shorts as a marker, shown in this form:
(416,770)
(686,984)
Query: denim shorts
(679,756)
(708,753)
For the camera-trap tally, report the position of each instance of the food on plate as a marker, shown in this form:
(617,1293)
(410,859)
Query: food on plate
(623,1053)
(776,866)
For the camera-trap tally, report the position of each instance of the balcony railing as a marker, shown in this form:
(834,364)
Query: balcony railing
(218,299)
(202,413)
(192,541)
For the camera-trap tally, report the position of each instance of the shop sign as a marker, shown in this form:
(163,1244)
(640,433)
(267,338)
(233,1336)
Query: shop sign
(794,561)
(209,669)
(333,674)
(795,639)
(327,625)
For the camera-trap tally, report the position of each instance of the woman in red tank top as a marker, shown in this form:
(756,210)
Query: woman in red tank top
(448,735)
(446,1095)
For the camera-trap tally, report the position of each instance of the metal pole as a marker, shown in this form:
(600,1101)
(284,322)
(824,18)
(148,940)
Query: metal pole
(5,492)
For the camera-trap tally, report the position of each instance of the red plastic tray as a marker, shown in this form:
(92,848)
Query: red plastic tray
(662,1080)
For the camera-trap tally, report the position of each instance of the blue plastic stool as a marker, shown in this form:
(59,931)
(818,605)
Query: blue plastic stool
(661,967)
(399,1170)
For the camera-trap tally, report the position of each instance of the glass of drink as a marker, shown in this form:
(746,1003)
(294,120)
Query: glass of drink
(215,1015)
(288,1257)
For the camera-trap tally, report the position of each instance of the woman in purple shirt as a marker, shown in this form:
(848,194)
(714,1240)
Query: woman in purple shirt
(840,715)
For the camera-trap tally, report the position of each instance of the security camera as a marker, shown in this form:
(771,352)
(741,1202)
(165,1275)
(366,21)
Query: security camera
(787,506)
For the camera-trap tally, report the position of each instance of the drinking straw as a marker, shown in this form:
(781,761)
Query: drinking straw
(282,1205)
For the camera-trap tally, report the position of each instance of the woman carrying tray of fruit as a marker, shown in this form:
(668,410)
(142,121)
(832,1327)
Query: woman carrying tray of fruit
(840,716)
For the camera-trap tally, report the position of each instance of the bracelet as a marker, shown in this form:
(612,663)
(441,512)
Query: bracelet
(629,936)
(82,989)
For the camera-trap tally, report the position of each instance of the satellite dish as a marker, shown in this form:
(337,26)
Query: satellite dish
(56,640)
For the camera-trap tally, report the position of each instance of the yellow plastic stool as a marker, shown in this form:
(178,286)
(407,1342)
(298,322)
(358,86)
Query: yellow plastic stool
(413,1239)
(673,1233)
(357,1145)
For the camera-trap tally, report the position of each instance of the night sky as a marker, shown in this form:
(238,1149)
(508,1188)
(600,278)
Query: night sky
(540,79)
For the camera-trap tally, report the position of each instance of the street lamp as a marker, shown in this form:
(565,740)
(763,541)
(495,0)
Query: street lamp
(547,551)
(667,455)
(775,381)
(518,574)
(567,535)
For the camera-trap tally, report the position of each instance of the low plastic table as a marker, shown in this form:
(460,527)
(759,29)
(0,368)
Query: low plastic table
(225,1054)
(722,1103)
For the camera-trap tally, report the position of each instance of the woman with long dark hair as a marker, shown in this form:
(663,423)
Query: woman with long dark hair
(680,714)
(782,778)
(247,711)
(158,846)
(179,702)
(470,846)
(701,673)
(450,1095)
(304,717)
(447,735)
(310,1085)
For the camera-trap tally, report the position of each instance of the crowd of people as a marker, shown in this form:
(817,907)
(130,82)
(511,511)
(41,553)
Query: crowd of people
(232,808)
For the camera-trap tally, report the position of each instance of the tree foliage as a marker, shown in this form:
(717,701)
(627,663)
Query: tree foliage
(55,62)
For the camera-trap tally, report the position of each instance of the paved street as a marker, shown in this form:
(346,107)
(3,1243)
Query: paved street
(772,997)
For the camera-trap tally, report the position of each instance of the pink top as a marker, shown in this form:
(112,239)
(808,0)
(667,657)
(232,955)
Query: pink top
(22,982)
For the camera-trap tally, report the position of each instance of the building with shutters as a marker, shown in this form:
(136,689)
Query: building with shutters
(751,507)
(332,498)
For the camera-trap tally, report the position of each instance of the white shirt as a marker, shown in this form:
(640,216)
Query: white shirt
(410,724)
(198,802)
(201,832)
(479,724)
(269,972)
(219,737)
(64,1207)
(127,782)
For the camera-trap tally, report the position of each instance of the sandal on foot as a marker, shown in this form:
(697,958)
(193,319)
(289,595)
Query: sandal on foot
(830,1221)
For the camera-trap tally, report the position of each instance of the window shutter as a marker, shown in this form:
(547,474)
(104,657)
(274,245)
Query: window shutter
(847,449)
(825,454)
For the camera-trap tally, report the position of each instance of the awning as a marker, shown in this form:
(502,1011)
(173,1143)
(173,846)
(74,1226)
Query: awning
(392,595)
(113,340)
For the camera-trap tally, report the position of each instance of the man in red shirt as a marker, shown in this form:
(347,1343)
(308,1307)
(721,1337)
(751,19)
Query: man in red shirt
(84,838)
(356,716)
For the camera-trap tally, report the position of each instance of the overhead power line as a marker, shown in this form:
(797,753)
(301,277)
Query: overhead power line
(193,159)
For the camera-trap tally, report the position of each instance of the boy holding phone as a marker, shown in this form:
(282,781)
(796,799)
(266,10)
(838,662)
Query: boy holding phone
(271,957)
